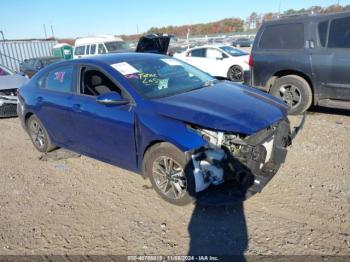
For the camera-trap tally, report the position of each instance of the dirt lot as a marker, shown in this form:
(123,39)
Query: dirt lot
(82,206)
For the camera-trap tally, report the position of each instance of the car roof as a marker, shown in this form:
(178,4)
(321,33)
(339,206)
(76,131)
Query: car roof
(306,17)
(208,46)
(107,59)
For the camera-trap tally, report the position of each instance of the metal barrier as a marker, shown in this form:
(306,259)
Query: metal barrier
(12,53)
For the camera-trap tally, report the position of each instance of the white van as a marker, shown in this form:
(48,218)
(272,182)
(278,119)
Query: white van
(88,46)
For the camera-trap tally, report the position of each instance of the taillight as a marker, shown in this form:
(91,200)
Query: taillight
(250,63)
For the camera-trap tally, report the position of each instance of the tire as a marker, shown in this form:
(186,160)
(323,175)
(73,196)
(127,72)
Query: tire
(235,73)
(295,91)
(175,190)
(39,135)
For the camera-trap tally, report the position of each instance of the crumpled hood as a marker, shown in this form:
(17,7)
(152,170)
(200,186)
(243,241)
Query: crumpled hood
(12,81)
(224,106)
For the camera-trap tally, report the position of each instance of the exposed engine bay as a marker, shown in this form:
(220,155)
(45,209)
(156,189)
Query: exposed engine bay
(249,161)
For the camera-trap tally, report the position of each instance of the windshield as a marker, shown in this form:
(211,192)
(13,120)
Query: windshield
(156,77)
(233,51)
(4,71)
(116,46)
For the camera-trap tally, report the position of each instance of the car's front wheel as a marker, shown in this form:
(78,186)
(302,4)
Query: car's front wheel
(39,135)
(167,168)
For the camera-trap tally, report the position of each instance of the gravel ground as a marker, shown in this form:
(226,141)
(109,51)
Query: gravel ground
(81,206)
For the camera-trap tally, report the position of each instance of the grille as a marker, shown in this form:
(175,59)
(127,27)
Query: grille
(8,110)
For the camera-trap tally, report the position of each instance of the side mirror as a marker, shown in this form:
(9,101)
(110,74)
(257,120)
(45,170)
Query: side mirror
(111,98)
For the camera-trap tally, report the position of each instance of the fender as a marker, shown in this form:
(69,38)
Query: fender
(149,130)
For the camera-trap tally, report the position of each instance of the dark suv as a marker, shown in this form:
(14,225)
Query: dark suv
(304,60)
(31,66)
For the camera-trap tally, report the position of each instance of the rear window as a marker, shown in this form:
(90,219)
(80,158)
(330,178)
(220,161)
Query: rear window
(339,33)
(284,36)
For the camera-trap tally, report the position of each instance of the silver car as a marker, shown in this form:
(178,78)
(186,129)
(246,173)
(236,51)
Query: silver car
(9,83)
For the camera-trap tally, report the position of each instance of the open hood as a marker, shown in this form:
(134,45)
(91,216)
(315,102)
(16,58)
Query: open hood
(153,43)
(226,107)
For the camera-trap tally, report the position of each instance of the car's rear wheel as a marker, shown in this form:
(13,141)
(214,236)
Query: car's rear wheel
(168,171)
(235,73)
(295,91)
(39,135)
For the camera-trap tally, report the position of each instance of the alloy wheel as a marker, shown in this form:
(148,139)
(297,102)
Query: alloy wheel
(235,74)
(37,134)
(169,177)
(290,94)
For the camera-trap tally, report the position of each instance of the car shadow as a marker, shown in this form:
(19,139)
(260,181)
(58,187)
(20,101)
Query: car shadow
(327,110)
(218,231)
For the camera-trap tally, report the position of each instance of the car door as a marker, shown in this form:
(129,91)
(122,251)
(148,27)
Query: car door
(52,104)
(331,60)
(105,132)
(215,64)
(196,57)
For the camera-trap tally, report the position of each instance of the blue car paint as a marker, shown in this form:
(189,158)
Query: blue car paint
(215,108)
(120,134)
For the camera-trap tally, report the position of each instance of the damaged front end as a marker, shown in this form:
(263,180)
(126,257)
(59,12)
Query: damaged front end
(8,103)
(249,162)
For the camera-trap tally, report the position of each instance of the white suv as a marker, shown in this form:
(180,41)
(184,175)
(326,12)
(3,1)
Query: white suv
(88,46)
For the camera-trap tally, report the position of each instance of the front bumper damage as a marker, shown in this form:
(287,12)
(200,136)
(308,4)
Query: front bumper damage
(8,103)
(246,164)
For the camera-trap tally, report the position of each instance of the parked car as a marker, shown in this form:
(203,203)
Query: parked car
(4,71)
(9,83)
(94,45)
(304,60)
(242,42)
(31,66)
(219,61)
(160,117)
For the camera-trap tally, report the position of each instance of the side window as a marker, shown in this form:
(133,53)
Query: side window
(87,50)
(93,49)
(197,53)
(284,36)
(214,53)
(339,33)
(101,49)
(93,82)
(79,50)
(322,32)
(60,79)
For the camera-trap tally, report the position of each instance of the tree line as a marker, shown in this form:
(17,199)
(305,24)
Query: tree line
(231,25)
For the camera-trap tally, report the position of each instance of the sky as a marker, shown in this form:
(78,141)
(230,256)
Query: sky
(73,18)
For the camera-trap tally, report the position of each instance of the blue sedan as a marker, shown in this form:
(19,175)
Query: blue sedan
(159,117)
